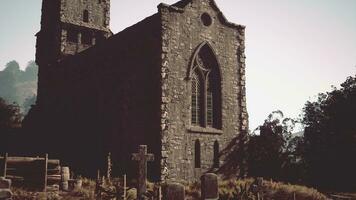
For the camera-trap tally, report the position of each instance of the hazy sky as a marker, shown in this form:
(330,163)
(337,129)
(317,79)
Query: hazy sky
(295,48)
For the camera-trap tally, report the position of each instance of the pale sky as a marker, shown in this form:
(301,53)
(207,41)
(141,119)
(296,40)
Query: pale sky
(295,48)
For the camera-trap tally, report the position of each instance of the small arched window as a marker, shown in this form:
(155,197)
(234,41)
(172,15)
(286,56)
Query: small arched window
(86,16)
(197,157)
(206,89)
(216,161)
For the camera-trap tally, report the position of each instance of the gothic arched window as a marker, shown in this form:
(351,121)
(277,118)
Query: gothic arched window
(206,89)
(197,157)
(86,16)
(216,155)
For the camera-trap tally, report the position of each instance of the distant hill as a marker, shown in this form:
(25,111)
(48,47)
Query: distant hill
(19,86)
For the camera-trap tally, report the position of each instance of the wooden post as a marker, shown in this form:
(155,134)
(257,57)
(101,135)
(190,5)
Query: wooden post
(45,173)
(124,195)
(5,164)
(160,192)
(98,186)
(294,196)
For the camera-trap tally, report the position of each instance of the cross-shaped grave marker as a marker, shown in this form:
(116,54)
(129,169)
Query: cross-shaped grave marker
(142,157)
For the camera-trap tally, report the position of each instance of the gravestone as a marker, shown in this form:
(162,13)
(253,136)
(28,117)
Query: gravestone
(5,192)
(142,157)
(65,175)
(5,183)
(209,187)
(173,191)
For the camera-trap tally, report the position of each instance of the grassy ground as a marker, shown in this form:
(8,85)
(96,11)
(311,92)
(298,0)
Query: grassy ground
(228,190)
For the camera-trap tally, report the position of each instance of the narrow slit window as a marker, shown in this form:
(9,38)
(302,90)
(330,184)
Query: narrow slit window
(86,16)
(72,36)
(86,38)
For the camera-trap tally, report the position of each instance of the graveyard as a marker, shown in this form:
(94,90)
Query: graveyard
(46,179)
(165,108)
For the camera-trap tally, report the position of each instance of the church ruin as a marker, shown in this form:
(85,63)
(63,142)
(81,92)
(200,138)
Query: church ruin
(174,81)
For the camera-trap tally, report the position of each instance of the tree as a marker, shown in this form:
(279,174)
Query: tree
(29,102)
(12,67)
(330,137)
(10,116)
(269,147)
(8,80)
(31,71)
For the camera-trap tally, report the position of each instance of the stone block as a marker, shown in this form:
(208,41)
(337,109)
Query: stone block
(5,183)
(209,187)
(173,191)
(5,194)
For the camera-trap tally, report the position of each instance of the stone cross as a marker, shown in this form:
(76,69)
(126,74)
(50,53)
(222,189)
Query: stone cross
(142,157)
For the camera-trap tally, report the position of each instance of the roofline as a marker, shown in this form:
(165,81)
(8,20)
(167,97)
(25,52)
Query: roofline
(221,16)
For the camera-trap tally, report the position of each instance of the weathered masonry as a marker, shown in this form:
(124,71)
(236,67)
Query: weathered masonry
(174,81)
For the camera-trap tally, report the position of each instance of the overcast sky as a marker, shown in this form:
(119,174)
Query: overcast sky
(295,48)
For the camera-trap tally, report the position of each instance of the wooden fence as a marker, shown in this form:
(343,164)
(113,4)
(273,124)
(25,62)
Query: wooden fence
(31,172)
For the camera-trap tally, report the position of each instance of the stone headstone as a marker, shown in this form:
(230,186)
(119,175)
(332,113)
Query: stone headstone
(173,191)
(78,184)
(65,186)
(5,194)
(209,187)
(65,174)
(5,183)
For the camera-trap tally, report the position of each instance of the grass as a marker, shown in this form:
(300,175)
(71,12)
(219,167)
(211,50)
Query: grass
(228,190)
(244,189)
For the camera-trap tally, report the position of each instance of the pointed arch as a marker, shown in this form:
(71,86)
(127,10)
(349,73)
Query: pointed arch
(207,48)
(204,71)
(197,154)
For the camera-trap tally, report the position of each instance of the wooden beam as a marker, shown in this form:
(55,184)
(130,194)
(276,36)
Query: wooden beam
(45,173)
(5,164)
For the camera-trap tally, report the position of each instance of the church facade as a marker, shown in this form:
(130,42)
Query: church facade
(174,81)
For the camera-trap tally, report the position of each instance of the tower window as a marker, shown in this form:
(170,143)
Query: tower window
(197,158)
(72,36)
(86,38)
(86,16)
(206,89)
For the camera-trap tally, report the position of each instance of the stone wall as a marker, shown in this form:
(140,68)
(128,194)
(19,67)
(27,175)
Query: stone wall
(99,12)
(183,31)
(106,98)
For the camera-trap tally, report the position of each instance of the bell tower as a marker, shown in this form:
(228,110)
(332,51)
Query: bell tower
(71,26)
(68,27)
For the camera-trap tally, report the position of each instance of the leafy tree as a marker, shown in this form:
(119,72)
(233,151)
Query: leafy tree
(10,116)
(330,137)
(17,85)
(12,67)
(29,102)
(269,147)
(8,80)
(31,71)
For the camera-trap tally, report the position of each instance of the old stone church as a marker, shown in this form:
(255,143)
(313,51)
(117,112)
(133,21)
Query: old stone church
(174,81)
